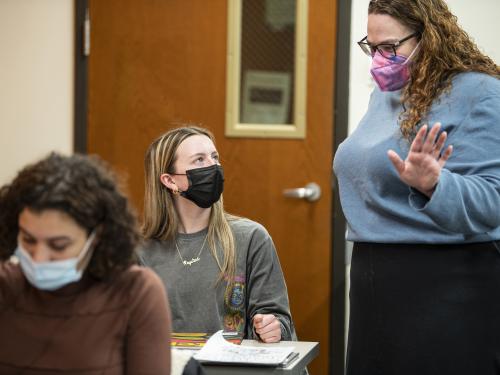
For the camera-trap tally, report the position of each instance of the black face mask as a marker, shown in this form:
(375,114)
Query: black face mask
(205,185)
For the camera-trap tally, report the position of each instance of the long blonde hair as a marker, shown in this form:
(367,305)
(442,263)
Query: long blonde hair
(445,50)
(161,220)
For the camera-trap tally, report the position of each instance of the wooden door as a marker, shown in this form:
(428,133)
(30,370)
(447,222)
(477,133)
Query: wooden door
(156,62)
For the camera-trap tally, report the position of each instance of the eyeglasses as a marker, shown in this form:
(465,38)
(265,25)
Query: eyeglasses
(388,50)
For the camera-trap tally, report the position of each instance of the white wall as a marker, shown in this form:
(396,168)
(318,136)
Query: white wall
(479,18)
(36,81)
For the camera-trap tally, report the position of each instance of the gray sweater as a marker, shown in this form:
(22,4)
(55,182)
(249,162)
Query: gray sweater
(465,207)
(199,304)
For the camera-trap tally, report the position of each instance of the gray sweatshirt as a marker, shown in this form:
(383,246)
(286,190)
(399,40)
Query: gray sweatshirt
(200,304)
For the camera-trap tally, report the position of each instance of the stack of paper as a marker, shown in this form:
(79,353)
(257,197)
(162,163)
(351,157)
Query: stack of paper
(188,340)
(218,350)
(195,341)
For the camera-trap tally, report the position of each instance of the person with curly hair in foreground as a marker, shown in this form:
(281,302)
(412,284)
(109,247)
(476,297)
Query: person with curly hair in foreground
(71,299)
(419,182)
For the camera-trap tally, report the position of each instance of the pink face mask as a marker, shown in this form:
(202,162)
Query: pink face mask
(393,73)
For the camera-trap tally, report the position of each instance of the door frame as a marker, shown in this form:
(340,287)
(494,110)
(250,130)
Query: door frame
(340,120)
(81,79)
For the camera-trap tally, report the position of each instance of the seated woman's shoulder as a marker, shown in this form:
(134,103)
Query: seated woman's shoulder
(246,230)
(151,252)
(241,224)
(137,273)
(136,278)
(11,274)
(9,269)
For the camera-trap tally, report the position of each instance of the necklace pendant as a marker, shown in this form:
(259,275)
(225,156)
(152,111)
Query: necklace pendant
(189,262)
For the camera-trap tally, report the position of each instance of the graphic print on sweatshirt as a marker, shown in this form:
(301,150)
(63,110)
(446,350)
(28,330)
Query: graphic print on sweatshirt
(234,306)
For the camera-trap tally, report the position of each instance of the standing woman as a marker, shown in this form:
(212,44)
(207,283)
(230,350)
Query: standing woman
(75,303)
(221,272)
(422,203)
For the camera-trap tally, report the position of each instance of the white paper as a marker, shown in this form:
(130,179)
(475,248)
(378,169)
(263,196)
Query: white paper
(217,349)
(280,13)
(259,110)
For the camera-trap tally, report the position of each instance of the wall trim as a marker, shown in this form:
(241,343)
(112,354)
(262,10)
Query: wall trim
(81,76)
(341,106)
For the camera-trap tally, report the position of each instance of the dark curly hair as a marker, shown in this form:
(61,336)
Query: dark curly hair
(445,50)
(84,188)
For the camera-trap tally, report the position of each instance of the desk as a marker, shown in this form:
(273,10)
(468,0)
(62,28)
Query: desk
(307,352)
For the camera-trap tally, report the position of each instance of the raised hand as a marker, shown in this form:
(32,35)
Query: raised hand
(422,167)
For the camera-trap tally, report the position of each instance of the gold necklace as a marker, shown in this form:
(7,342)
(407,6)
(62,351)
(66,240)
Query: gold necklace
(193,260)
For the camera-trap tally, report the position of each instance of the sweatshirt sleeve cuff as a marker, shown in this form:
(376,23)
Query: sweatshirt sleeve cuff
(417,200)
(420,202)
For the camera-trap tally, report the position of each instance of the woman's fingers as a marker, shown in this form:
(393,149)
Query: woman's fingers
(430,141)
(426,143)
(268,327)
(439,145)
(446,155)
(398,163)
(416,145)
(268,338)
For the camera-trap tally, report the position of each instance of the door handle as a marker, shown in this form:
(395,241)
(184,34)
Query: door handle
(311,192)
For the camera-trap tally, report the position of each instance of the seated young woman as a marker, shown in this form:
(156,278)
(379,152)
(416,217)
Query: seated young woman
(221,271)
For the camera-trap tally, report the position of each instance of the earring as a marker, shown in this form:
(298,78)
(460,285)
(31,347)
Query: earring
(176,191)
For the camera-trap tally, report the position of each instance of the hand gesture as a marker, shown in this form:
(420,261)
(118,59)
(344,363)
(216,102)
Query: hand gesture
(422,167)
(268,327)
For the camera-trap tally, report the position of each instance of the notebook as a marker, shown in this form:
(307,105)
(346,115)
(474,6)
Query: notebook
(217,350)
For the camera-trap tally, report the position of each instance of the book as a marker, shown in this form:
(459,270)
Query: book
(190,340)
(217,350)
(196,340)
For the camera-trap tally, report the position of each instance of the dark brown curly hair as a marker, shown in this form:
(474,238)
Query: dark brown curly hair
(84,188)
(444,51)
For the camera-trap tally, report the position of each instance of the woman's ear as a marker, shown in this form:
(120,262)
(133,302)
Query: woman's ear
(167,180)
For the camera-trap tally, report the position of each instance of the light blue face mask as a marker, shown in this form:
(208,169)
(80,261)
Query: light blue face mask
(55,274)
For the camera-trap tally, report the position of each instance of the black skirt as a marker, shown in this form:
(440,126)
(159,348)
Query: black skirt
(424,309)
